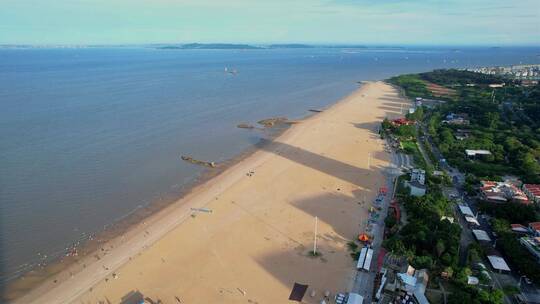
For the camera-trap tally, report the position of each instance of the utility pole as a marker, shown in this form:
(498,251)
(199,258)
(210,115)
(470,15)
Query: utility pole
(315,238)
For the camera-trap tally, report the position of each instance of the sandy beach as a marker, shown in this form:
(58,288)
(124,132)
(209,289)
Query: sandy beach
(251,241)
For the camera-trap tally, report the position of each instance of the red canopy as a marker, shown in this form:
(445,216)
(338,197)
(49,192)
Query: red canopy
(363,237)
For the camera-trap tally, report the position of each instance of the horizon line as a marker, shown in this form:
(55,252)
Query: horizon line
(494,45)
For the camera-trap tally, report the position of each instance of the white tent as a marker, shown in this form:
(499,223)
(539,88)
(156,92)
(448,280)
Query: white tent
(465,210)
(481,235)
(498,263)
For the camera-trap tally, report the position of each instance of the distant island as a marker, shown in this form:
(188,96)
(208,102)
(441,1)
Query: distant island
(235,46)
(209,46)
(290,46)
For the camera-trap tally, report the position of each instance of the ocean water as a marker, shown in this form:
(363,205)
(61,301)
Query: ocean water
(90,135)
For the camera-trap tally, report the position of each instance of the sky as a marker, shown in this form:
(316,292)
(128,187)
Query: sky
(388,22)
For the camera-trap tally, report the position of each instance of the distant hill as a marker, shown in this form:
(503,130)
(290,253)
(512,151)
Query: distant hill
(209,46)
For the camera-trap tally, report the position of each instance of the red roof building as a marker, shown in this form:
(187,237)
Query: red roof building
(519,228)
(533,192)
(502,192)
(402,122)
(535,227)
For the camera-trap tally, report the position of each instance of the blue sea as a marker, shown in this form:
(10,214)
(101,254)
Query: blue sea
(89,135)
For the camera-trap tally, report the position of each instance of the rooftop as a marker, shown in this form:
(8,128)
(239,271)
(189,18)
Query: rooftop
(477,152)
(481,235)
(535,226)
(498,263)
(466,210)
(518,228)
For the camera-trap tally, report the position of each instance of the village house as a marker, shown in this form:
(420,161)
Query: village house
(533,245)
(502,192)
(417,183)
(462,134)
(534,228)
(418,175)
(456,119)
(533,192)
(475,153)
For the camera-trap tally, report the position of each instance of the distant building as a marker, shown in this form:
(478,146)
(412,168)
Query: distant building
(528,83)
(497,85)
(533,192)
(475,153)
(502,192)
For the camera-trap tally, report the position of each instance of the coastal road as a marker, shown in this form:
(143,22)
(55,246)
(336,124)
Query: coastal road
(364,280)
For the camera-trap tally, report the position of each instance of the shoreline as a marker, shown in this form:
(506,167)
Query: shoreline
(27,280)
(140,241)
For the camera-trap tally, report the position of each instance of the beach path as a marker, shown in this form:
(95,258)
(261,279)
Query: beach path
(252,240)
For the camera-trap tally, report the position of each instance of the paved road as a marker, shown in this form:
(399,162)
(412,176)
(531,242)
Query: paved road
(458,179)
(364,281)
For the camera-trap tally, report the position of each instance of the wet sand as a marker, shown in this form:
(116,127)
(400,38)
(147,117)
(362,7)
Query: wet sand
(251,241)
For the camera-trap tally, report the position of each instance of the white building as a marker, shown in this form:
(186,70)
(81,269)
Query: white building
(417,189)
(418,175)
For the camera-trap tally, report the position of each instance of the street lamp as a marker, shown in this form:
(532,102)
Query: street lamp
(519,282)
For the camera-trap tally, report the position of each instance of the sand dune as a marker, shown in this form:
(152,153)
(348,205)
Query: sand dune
(255,242)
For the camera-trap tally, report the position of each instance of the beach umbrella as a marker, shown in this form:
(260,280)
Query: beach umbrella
(363,237)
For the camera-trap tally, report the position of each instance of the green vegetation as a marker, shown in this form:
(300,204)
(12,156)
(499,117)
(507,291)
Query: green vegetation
(426,240)
(511,213)
(412,84)
(473,295)
(505,121)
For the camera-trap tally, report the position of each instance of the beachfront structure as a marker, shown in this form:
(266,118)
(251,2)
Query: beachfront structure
(474,153)
(502,192)
(498,263)
(533,246)
(532,191)
(364,259)
(418,175)
(402,122)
